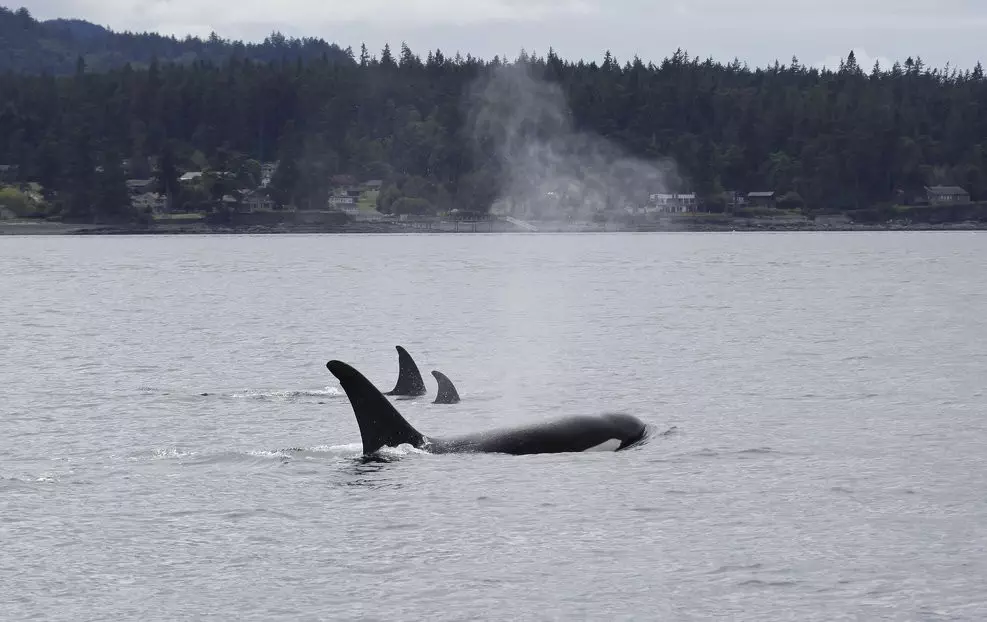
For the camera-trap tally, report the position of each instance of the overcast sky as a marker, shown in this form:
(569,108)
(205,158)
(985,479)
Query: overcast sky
(756,31)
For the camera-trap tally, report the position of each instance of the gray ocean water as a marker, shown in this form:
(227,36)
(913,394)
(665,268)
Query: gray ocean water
(173,447)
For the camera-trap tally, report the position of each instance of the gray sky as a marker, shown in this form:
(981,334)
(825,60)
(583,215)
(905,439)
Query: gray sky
(755,31)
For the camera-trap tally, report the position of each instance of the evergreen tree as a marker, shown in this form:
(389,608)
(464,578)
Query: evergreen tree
(111,198)
(287,178)
(79,185)
(167,177)
(386,59)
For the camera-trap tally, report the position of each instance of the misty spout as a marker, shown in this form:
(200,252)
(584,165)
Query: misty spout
(548,169)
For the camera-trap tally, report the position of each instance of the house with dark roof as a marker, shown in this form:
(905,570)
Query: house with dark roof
(140,186)
(946,195)
(761,198)
(8,172)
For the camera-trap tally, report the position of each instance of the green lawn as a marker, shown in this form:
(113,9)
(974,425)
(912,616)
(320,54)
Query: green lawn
(190,216)
(368,201)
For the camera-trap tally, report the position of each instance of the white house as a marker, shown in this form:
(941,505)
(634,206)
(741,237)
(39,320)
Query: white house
(156,202)
(336,201)
(253,200)
(674,202)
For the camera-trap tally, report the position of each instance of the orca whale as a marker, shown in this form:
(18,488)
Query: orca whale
(447,391)
(410,383)
(381,425)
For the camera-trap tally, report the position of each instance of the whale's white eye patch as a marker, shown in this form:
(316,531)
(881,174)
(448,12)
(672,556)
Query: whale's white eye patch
(611,445)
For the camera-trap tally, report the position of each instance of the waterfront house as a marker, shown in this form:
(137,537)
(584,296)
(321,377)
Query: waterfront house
(149,200)
(671,203)
(761,198)
(140,186)
(254,200)
(337,201)
(946,195)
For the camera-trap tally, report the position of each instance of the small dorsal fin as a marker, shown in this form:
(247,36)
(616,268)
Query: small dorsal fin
(447,393)
(409,378)
(381,425)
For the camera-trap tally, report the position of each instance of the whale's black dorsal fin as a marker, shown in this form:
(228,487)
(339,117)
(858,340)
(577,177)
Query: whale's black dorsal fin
(381,425)
(447,393)
(409,378)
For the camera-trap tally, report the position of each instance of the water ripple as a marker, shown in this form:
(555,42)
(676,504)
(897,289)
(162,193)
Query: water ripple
(174,448)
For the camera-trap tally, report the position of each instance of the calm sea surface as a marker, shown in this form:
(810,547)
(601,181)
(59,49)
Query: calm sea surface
(173,447)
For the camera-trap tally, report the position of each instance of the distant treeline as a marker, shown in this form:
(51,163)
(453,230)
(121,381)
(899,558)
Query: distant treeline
(845,139)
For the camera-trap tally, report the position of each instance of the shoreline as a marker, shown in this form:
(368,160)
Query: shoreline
(27,227)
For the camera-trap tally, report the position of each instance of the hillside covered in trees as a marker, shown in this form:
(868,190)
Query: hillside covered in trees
(54,46)
(446,132)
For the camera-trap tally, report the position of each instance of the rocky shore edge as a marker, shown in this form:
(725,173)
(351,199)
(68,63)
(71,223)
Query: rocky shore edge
(29,227)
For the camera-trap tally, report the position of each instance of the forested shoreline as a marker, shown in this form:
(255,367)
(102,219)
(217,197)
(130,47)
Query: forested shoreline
(825,141)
